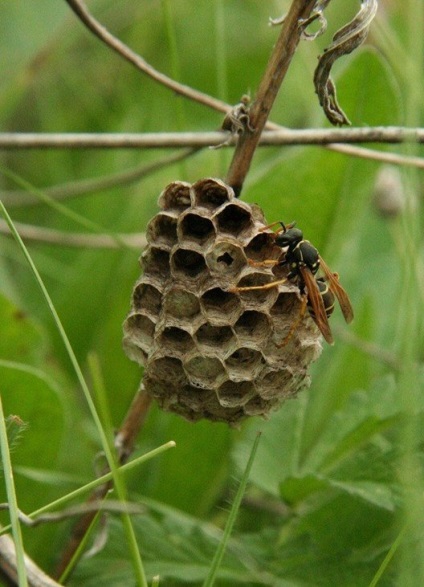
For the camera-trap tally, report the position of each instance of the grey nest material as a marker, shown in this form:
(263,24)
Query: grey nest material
(207,351)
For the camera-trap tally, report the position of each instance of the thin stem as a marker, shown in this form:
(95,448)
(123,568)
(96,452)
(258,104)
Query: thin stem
(40,234)
(85,187)
(124,444)
(197,140)
(268,89)
(12,501)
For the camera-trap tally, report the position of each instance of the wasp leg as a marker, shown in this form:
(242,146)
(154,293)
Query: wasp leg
(295,324)
(266,263)
(269,226)
(257,287)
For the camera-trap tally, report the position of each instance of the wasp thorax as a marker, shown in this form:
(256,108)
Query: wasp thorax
(209,349)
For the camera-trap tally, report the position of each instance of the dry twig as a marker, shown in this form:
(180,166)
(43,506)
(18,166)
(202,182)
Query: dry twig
(36,577)
(197,140)
(267,92)
(72,239)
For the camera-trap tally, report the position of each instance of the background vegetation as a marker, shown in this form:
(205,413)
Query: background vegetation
(336,487)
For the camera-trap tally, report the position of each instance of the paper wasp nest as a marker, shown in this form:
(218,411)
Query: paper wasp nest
(209,352)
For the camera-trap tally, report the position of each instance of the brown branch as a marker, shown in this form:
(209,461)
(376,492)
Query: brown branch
(274,74)
(124,444)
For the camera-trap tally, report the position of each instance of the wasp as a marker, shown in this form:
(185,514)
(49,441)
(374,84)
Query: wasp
(303,261)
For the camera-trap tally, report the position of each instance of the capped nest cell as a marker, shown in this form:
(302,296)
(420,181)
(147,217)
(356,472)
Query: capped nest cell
(208,350)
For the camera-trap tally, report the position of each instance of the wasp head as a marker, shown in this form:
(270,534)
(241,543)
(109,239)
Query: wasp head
(289,237)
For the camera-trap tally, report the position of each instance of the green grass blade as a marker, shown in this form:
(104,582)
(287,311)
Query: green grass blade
(388,558)
(100,391)
(12,500)
(108,451)
(79,551)
(62,501)
(216,561)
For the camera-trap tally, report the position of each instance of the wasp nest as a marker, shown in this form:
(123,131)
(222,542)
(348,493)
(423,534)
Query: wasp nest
(209,351)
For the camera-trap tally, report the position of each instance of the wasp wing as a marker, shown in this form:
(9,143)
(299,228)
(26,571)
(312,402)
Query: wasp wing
(339,292)
(317,303)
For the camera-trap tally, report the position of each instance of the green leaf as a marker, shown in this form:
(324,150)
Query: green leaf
(173,546)
(20,338)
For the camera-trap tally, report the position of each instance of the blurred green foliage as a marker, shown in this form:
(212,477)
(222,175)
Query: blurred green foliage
(338,471)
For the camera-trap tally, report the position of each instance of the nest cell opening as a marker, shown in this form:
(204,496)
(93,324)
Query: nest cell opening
(232,394)
(181,303)
(140,331)
(196,228)
(220,307)
(175,197)
(262,296)
(148,298)
(253,325)
(287,305)
(194,397)
(167,369)
(176,340)
(155,262)
(210,194)
(273,384)
(234,219)
(204,371)
(262,247)
(188,263)
(215,337)
(244,364)
(162,229)
(226,259)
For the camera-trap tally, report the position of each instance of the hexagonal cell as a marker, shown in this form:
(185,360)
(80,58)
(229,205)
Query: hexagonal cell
(140,330)
(262,247)
(226,259)
(234,219)
(188,263)
(232,394)
(180,303)
(276,384)
(175,340)
(175,197)
(264,296)
(220,307)
(203,371)
(162,229)
(211,193)
(253,325)
(257,214)
(134,352)
(148,298)
(194,397)
(311,350)
(155,262)
(218,413)
(260,407)
(244,364)
(196,228)
(168,369)
(220,338)
(286,305)
(165,393)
